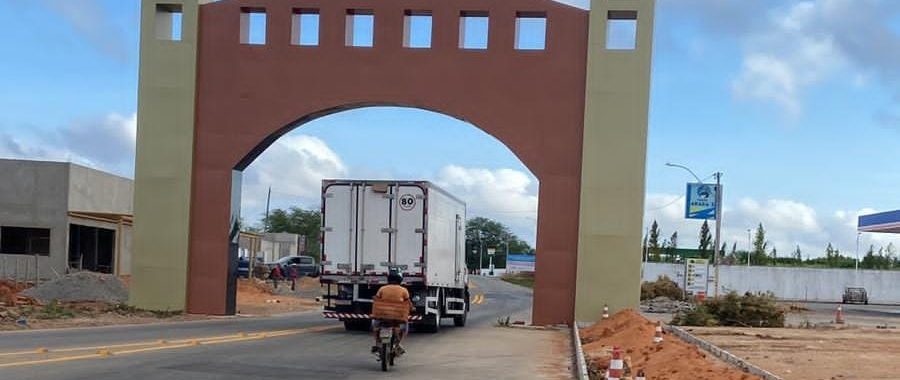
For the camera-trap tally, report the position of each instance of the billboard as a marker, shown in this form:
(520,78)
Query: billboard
(701,201)
(520,263)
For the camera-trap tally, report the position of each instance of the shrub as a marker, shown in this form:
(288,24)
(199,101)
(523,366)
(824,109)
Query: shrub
(749,310)
(662,287)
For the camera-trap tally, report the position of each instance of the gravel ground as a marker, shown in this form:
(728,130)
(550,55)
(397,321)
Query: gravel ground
(82,286)
(813,354)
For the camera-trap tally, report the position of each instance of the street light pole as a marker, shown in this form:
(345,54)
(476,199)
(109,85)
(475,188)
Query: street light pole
(749,247)
(480,253)
(858,235)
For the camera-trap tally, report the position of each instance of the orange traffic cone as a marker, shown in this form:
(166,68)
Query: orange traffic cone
(839,315)
(616,366)
(640,375)
(658,335)
(605,311)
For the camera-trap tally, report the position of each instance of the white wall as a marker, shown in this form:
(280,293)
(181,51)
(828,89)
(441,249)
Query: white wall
(801,284)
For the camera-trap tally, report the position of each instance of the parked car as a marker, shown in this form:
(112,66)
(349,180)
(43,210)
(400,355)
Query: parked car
(305,265)
(243,267)
(855,295)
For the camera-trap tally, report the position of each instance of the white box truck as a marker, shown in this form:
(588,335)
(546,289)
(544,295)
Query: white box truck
(369,227)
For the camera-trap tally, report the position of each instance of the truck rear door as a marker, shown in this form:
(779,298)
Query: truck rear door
(375,228)
(408,240)
(338,228)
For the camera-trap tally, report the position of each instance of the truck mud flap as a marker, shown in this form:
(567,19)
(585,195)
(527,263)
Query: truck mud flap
(353,316)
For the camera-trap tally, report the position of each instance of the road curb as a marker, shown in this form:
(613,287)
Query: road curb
(581,370)
(723,355)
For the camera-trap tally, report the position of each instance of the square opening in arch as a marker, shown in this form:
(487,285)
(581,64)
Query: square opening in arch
(417,29)
(253,26)
(531,31)
(360,28)
(305,27)
(621,30)
(474,29)
(168,22)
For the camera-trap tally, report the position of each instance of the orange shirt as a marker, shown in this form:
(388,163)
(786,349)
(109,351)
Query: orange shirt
(392,294)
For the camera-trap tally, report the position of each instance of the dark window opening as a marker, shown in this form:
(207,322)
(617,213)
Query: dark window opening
(25,241)
(91,248)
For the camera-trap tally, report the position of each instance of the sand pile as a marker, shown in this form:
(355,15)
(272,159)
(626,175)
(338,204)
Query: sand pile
(672,359)
(81,287)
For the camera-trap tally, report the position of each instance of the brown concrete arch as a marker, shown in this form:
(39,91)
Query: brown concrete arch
(574,113)
(531,101)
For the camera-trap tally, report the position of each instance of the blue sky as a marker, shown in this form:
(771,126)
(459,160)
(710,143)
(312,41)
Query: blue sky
(797,102)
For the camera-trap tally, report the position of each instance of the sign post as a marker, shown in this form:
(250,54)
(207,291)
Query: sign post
(704,201)
(696,277)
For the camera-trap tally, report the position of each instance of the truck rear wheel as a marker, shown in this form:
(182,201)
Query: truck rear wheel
(460,321)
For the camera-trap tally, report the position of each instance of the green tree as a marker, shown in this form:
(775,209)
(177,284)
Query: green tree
(483,234)
(798,255)
(295,220)
(672,246)
(759,256)
(653,242)
(705,241)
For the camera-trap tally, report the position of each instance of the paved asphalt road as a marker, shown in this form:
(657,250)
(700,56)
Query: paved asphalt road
(854,314)
(300,346)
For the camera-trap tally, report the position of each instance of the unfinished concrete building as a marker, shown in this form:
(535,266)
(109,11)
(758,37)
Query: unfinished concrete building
(57,217)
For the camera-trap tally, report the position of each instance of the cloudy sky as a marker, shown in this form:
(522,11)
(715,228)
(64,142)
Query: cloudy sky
(797,102)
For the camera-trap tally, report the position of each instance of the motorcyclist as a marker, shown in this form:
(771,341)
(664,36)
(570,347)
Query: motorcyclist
(391,296)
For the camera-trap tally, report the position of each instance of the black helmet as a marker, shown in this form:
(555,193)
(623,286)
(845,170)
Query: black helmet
(394,277)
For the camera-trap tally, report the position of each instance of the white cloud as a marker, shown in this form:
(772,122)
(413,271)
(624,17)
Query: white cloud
(506,195)
(106,143)
(811,42)
(294,166)
(788,224)
(90,19)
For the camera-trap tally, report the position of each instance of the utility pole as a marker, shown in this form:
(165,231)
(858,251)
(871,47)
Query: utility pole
(268,201)
(858,235)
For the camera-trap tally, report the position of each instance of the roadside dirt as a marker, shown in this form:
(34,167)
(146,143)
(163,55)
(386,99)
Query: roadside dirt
(672,359)
(813,354)
(18,312)
(259,298)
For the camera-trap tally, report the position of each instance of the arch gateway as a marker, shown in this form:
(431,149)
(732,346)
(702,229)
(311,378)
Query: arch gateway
(574,109)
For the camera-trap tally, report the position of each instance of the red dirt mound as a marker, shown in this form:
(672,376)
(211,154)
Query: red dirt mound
(9,291)
(673,359)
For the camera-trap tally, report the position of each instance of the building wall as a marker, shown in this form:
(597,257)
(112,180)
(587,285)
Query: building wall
(96,191)
(277,245)
(34,194)
(800,284)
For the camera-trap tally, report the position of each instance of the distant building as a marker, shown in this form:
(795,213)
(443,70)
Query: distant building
(58,217)
(271,246)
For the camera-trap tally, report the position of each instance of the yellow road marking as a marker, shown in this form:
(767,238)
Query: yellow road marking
(55,360)
(479,299)
(158,345)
